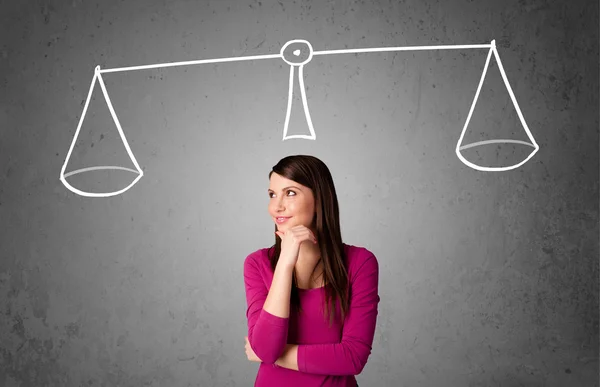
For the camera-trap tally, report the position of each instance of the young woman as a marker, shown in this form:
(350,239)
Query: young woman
(312,299)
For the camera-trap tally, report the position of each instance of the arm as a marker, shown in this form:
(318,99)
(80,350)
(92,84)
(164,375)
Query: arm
(268,311)
(348,357)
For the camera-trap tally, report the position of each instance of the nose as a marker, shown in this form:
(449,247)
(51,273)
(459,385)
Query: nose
(279,205)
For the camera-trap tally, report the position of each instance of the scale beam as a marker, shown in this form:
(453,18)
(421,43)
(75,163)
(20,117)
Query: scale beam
(301,54)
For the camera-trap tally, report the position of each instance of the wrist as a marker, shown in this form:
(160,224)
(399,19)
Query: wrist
(281,360)
(285,265)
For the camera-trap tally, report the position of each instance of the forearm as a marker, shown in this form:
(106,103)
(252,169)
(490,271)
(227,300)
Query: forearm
(336,359)
(278,299)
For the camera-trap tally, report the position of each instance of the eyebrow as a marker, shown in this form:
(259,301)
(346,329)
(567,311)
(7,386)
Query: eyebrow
(291,186)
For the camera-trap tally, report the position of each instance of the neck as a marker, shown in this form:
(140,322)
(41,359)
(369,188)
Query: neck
(309,266)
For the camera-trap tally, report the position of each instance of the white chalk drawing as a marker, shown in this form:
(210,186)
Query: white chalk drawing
(298,75)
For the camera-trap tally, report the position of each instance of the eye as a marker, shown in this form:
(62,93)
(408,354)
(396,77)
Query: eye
(289,190)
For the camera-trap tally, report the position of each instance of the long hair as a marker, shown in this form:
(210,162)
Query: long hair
(314,174)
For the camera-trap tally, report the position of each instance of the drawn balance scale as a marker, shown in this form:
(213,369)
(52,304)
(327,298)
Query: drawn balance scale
(296,48)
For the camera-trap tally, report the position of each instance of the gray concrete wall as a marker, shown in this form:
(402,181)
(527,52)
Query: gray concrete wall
(487,278)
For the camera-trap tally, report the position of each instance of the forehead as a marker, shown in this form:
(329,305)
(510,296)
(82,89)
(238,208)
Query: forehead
(280,181)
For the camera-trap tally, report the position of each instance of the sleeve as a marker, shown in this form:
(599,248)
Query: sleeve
(349,357)
(267,333)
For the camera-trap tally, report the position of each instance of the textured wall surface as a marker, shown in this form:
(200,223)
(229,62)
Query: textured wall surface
(487,278)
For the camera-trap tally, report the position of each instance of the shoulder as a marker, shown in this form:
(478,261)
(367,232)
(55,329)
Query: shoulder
(357,257)
(257,268)
(357,254)
(258,258)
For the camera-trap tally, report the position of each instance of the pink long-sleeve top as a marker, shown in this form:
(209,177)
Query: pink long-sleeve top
(327,357)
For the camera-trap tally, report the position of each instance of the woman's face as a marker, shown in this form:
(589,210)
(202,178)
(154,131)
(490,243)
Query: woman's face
(290,199)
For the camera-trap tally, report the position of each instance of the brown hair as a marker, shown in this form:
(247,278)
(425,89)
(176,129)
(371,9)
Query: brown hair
(314,174)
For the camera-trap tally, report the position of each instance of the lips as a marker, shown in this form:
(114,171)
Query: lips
(282,219)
